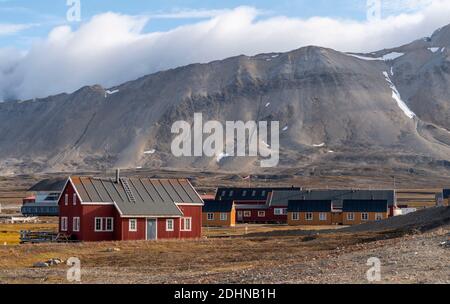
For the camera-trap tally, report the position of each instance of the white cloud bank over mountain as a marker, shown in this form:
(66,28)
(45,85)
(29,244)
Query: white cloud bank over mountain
(113,48)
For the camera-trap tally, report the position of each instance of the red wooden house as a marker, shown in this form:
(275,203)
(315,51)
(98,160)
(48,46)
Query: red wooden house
(101,209)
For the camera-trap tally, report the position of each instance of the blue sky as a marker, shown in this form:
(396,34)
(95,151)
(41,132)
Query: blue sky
(43,15)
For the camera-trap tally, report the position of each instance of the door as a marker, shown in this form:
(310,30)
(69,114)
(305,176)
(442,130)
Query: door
(240,216)
(151,229)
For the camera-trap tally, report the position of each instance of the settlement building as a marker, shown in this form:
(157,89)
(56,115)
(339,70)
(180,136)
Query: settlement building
(356,212)
(219,214)
(303,213)
(104,209)
(44,201)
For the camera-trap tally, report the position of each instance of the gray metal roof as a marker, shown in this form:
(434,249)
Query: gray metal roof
(54,184)
(309,206)
(281,198)
(138,196)
(217,206)
(365,206)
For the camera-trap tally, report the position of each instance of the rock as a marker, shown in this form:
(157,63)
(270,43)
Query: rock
(41,265)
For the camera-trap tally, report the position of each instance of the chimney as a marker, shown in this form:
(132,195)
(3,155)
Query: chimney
(117,175)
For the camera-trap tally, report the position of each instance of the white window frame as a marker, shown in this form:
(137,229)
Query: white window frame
(295,216)
(280,211)
(132,222)
(364,216)
(183,222)
(309,216)
(101,224)
(223,216)
(247,213)
(323,216)
(261,213)
(350,216)
(64,222)
(168,226)
(74,198)
(76,224)
(379,216)
(106,224)
(66,199)
(210,216)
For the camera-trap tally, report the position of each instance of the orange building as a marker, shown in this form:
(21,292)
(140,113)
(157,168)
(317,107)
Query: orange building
(357,212)
(219,214)
(310,212)
(446,195)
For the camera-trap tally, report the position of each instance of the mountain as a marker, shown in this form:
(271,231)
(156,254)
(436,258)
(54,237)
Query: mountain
(386,108)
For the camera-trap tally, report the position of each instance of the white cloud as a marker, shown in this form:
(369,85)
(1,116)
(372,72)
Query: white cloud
(113,48)
(11,28)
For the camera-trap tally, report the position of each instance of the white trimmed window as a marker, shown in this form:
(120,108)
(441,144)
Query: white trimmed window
(247,214)
(186,224)
(132,225)
(365,216)
(322,216)
(295,216)
(170,225)
(74,199)
(261,213)
(210,216)
(98,224)
(64,220)
(104,224)
(350,216)
(223,216)
(109,224)
(309,216)
(76,224)
(378,216)
(66,199)
(280,211)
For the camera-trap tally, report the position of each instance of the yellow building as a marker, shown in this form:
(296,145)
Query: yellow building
(219,214)
(306,213)
(446,193)
(357,212)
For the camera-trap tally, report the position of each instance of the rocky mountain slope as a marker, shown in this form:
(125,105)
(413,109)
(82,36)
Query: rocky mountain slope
(390,107)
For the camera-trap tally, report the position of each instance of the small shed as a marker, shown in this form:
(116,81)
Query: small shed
(219,214)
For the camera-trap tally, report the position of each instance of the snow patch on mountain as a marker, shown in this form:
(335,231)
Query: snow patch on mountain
(396,96)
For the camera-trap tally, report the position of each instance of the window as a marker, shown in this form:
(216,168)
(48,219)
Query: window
(104,224)
(261,213)
(378,216)
(244,193)
(74,199)
(365,216)
(66,199)
(170,225)
(280,211)
(247,213)
(263,193)
(132,225)
(295,216)
(98,224)
(64,223)
(350,216)
(309,216)
(186,224)
(223,193)
(210,216)
(76,224)
(253,192)
(231,193)
(323,216)
(109,224)
(223,216)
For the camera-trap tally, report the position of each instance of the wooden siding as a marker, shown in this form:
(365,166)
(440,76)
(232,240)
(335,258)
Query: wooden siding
(216,222)
(269,216)
(314,222)
(358,220)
